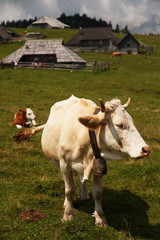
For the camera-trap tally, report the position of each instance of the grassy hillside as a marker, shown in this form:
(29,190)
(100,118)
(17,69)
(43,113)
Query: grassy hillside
(66,34)
(131,200)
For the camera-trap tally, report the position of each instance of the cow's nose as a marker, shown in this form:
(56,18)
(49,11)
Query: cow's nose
(145,151)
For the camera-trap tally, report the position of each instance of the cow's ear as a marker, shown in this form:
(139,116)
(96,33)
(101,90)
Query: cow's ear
(22,111)
(91,121)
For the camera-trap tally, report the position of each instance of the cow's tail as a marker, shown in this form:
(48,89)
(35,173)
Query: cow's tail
(27,133)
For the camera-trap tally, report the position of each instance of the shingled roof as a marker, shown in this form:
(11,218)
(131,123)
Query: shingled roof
(128,35)
(50,21)
(93,34)
(6,34)
(43,47)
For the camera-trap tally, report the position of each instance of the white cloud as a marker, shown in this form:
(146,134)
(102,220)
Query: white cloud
(8,11)
(123,12)
(20,9)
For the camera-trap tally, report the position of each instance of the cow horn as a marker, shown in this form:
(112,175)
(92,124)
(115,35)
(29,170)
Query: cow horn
(126,105)
(102,105)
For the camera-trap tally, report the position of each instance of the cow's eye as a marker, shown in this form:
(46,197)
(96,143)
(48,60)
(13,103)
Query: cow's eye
(121,126)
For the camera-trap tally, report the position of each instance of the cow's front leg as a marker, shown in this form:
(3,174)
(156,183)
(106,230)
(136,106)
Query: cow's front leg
(84,192)
(67,174)
(100,219)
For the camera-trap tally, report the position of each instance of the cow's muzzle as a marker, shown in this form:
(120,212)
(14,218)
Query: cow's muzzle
(145,151)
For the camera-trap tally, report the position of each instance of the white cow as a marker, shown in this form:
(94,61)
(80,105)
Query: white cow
(65,141)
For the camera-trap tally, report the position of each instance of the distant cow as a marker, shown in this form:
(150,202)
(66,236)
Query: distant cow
(115,54)
(24,118)
(65,141)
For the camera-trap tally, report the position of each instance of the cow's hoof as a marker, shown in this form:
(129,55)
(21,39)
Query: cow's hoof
(101,223)
(67,218)
(100,220)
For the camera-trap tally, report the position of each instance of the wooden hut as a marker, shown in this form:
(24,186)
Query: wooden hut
(128,44)
(44,51)
(93,38)
(48,22)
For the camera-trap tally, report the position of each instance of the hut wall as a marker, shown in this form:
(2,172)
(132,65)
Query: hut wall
(40,25)
(94,43)
(127,45)
(39,58)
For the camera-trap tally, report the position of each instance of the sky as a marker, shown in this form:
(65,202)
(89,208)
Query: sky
(124,12)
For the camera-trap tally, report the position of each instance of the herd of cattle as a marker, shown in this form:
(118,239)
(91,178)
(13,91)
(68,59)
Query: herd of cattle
(66,142)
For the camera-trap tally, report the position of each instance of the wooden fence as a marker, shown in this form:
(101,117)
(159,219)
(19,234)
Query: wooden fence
(90,66)
(144,49)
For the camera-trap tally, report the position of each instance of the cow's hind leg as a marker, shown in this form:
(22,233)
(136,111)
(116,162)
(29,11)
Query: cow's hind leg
(84,192)
(100,219)
(67,174)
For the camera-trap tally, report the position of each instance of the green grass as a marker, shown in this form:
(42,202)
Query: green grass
(131,189)
(66,34)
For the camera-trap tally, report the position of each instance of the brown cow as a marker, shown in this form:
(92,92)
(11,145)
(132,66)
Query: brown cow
(115,54)
(24,118)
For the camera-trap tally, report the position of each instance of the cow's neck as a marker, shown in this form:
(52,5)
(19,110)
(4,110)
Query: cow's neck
(99,163)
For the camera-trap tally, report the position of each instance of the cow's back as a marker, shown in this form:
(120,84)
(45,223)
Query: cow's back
(19,119)
(63,131)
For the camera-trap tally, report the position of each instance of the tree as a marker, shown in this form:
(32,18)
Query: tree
(110,24)
(3,23)
(125,30)
(117,30)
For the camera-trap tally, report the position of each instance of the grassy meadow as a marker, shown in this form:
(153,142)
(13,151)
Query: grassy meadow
(131,189)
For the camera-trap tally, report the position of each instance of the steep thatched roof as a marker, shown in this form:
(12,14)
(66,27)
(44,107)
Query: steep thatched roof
(44,47)
(93,34)
(50,21)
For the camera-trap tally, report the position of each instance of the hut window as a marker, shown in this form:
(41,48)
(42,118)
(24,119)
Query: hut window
(54,58)
(36,59)
(50,58)
(128,45)
(89,43)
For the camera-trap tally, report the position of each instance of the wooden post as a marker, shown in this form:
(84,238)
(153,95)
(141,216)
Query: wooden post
(72,67)
(12,65)
(93,66)
(106,66)
(2,65)
(97,67)
(101,66)
(154,49)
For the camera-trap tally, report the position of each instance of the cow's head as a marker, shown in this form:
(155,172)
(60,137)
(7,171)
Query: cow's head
(116,134)
(30,117)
